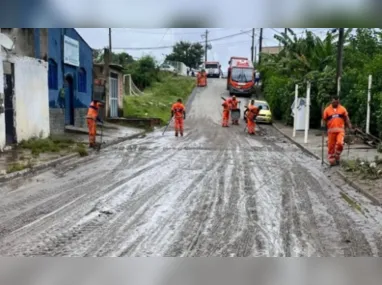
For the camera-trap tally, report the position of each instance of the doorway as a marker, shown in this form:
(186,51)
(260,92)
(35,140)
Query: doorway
(69,100)
(9,112)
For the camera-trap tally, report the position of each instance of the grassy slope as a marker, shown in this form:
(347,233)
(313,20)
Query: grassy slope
(157,101)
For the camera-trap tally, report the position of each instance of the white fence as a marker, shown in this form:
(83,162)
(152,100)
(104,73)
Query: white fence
(129,87)
(180,67)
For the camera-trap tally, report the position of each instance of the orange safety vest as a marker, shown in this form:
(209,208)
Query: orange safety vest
(93,110)
(178,109)
(226,105)
(234,103)
(252,112)
(335,118)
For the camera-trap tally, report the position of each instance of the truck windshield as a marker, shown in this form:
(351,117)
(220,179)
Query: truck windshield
(242,74)
(214,66)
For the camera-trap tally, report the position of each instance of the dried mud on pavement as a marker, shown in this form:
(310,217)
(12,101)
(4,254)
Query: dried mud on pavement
(214,192)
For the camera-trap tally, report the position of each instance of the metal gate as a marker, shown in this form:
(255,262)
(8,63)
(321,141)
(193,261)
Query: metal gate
(113,100)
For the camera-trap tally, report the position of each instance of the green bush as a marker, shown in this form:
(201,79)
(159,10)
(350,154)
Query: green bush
(144,72)
(313,59)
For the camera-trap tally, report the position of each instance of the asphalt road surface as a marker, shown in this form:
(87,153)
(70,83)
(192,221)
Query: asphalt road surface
(214,192)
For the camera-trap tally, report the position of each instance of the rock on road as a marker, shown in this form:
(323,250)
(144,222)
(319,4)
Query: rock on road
(214,192)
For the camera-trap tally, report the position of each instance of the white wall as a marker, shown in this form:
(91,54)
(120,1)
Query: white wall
(2,116)
(31,98)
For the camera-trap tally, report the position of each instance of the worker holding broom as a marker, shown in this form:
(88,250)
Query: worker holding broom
(250,114)
(92,119)
(336,117)
(178,111)
(226,110)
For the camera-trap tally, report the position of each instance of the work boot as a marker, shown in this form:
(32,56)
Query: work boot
(176,134)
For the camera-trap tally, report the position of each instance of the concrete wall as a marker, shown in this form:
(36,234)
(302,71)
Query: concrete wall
(2,116)
(31,98)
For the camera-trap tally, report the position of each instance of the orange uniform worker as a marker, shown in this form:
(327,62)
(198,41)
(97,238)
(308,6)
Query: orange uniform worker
(179,112)
(336,117)
(234,104)
(250,114)
(92,119)
(226,109)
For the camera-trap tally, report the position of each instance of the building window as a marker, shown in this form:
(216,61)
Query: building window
(82,80)
(52,75)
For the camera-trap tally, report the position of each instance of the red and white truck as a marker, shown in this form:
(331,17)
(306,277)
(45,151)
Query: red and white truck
(240,77)
(212,68)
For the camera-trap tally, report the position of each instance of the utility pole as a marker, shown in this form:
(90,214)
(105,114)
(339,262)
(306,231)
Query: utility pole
(110,53)
(340,50)
(107,58)
(253,45)
(205,46)
(260,44)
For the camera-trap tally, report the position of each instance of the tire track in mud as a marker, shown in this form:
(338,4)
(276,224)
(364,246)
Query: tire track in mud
(182,196)
(208,245)
(65,198)
(290,224)
(353,242)
(107,229)
(187,241)
(254,235)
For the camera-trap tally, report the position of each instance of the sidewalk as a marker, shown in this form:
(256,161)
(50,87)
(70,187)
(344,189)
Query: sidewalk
(314,145)
(370,188)
(40,154)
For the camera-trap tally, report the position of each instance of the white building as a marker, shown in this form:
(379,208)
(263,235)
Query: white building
(24,99)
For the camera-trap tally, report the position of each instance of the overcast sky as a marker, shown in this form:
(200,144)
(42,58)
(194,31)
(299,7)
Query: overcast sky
(222,50)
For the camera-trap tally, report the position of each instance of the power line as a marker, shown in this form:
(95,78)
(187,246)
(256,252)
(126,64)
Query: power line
(165,33)
(148,31)
(165,47)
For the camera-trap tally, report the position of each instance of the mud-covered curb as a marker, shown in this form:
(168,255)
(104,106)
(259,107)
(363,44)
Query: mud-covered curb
(305,150)
(359,188)
(353,184)
(43,166)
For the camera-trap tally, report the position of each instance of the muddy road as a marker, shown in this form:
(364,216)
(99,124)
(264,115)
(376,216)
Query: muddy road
(214,192)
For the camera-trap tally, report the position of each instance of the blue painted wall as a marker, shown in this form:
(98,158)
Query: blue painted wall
(55,46)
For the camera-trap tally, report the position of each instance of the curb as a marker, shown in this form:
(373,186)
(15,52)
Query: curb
(296,143)
(353,184)
(53,163)
(356,186)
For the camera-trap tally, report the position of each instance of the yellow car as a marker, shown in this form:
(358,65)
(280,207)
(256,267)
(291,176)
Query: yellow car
(265,115)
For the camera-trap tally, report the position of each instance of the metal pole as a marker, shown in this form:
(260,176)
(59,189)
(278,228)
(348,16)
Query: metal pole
(110,44)
(340,58)
(368,106)
(295,110)
(307,112)
(206,46)
(253,44)
(260,44)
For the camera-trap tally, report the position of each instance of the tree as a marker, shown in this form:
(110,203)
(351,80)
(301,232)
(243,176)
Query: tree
(143,72)
(314,59)
(190,54)
(121,58)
